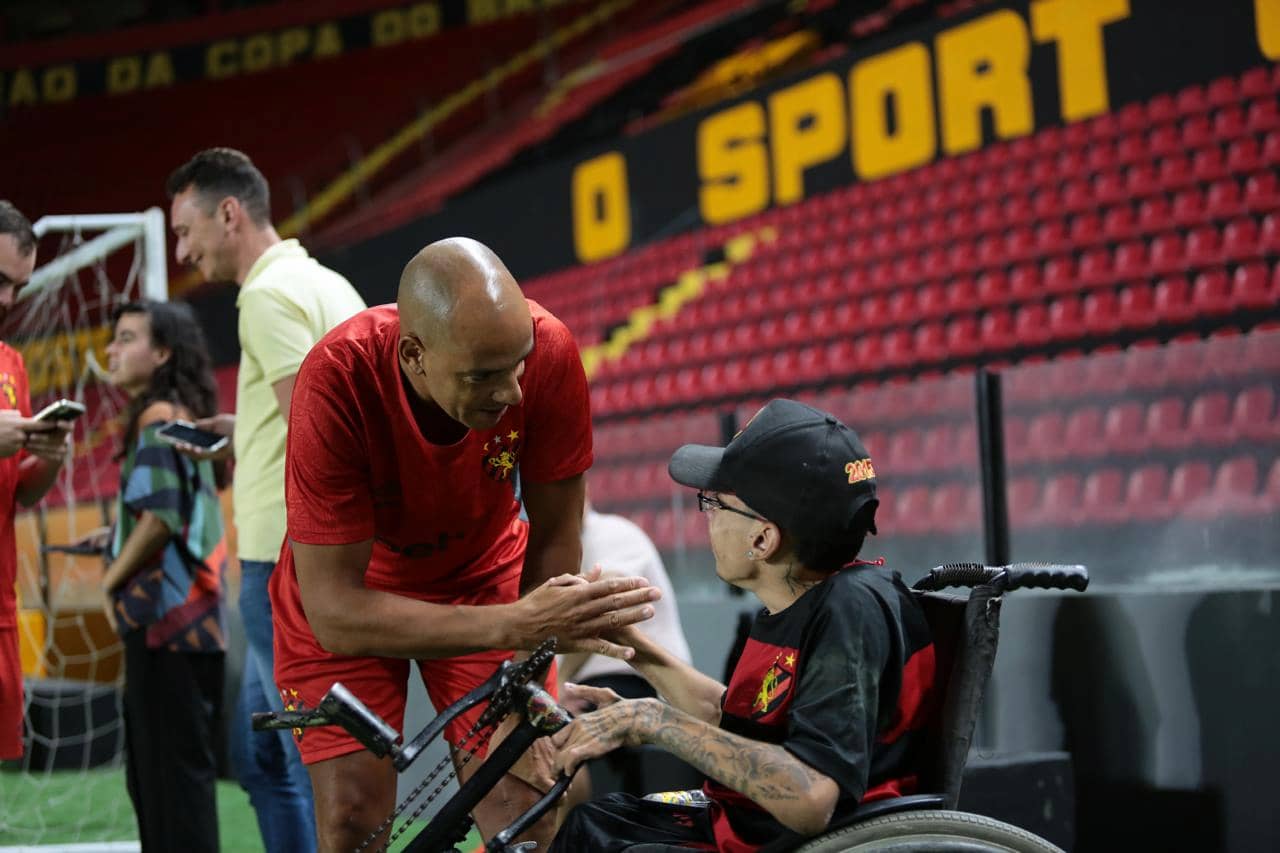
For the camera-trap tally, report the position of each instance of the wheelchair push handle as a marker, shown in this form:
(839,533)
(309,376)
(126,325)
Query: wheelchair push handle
(1005,578)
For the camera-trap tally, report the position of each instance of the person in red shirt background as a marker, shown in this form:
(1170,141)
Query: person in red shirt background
(411,426)
(31,452)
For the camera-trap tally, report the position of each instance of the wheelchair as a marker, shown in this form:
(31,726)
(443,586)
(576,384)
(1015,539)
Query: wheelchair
(966,632)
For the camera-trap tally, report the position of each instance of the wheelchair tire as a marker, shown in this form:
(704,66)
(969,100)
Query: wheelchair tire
(921,831)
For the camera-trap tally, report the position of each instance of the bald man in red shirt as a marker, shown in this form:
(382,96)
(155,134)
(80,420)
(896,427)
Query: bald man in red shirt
(411,425)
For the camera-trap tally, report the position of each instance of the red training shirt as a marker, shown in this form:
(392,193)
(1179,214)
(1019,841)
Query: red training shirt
(444,518)
(14,394)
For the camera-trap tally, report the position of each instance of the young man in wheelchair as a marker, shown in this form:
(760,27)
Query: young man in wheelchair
(827,705)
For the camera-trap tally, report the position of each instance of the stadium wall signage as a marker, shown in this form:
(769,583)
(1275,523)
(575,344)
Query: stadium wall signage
(28,78)
(938,90)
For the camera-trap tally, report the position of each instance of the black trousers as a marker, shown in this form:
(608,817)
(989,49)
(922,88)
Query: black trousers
(621,822)
(172,710)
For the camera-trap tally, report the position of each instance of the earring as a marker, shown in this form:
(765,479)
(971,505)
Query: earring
(751,554)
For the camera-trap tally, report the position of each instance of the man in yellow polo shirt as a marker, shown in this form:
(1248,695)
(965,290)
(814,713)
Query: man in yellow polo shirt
(220,215)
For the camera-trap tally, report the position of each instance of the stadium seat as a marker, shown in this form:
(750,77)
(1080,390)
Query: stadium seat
(1147,492)
(1209,419)
(1235,486)
(1100,314)
(1123,428)
(1263,116)
(1131,260)
(1102,500)
(1168,254)
(1211,293)
(1023,497)
(1208,164)
(1086,229)
(1173,300)
(1082,434)
(1260,193)
(1189,486)
(1025,282)
(1166,423)
(1204,246)
(1255,83)
(1253,414)
(1137,306)
(1229,124)
(1064,320)
(1144,366)
(1243,156)
(1223,199)
(1061,502)
(1251,288)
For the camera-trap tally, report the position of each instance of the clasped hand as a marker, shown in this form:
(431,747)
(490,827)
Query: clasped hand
(46,440)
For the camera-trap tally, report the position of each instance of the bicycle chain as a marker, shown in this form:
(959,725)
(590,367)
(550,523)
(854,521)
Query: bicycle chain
(499,707)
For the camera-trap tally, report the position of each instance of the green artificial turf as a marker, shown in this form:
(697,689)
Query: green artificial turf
(85,806)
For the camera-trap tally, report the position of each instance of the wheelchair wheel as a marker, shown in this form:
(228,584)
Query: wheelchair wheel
(929,831)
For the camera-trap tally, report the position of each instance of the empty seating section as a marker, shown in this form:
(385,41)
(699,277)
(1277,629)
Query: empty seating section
(1159,221)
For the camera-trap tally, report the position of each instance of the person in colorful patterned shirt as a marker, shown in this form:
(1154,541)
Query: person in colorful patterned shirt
(827,704)
(31,454)
(164,579)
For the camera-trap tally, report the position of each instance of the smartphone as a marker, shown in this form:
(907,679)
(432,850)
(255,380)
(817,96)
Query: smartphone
(61,410)
(93,550)
(182,432)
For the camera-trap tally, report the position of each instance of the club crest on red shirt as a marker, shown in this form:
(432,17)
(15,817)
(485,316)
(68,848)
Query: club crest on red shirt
(502,455)
(10,388)
(774,686)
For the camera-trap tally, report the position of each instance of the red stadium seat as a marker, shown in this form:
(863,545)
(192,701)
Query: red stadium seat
(1209,418)
(1154,215)
(1253,414)
(1229,124)
(1269,500)
(1144,366)
(1023,497)
(1223,91)
(1175,172)
(1189,486)
(1203,246)
(1060,275)
(1255,82)
(1223,199)
(991,288)
(1173,300)
(1137,309)
(1094,269)
(963,338)
(1240,241)
(1196,132)
(1208,164)
(1131,260)
(1101,316)
(1103,497)
(1061,501)
(1168,254)
(1243,156)
(1263,116)
(1123,430)
(1065,319)
(1082,434)
(1118,223)
(1261,193)
(1166,423)
(1212,292)
(1191,100)
(1147,492)
(1188,206)
(1235,486)
(931,342)
(1025,282)
(1251,288)
(1163,140)
(912,510)
(1031,325)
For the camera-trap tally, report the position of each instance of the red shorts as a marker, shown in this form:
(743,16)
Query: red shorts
(11,701)
(383,685)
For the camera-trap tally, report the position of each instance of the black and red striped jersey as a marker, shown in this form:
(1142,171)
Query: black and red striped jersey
(844,680)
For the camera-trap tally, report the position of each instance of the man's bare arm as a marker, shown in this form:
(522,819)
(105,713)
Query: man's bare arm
(555,530)
(283,389)
(801,798)
(349,618)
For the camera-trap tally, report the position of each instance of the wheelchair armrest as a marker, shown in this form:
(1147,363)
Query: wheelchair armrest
(878,808)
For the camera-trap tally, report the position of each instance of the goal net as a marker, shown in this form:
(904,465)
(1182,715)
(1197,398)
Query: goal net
(69,786)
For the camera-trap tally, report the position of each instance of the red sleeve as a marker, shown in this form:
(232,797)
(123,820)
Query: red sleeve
(24,386)
(558,410)
(327,491)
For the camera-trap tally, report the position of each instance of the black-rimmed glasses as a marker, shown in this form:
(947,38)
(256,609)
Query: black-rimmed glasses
(706,502)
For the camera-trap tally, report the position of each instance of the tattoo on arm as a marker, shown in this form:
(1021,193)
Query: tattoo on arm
(765,772)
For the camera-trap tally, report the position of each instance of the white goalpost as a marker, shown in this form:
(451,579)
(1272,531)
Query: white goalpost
(68,791)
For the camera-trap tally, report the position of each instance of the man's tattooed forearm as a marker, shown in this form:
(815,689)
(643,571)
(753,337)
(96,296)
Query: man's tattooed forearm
(764,772)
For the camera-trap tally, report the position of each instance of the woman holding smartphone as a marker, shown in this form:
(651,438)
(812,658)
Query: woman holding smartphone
(163,580)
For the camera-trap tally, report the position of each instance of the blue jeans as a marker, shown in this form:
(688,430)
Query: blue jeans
(267,763)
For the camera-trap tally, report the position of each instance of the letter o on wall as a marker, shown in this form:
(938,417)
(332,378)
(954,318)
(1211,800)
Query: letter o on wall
(601,207)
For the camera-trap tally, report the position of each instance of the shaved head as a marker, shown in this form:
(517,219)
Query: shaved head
(465,330)
(454,287)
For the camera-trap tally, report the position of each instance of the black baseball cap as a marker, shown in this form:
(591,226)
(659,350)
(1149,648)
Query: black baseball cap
(799,467)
